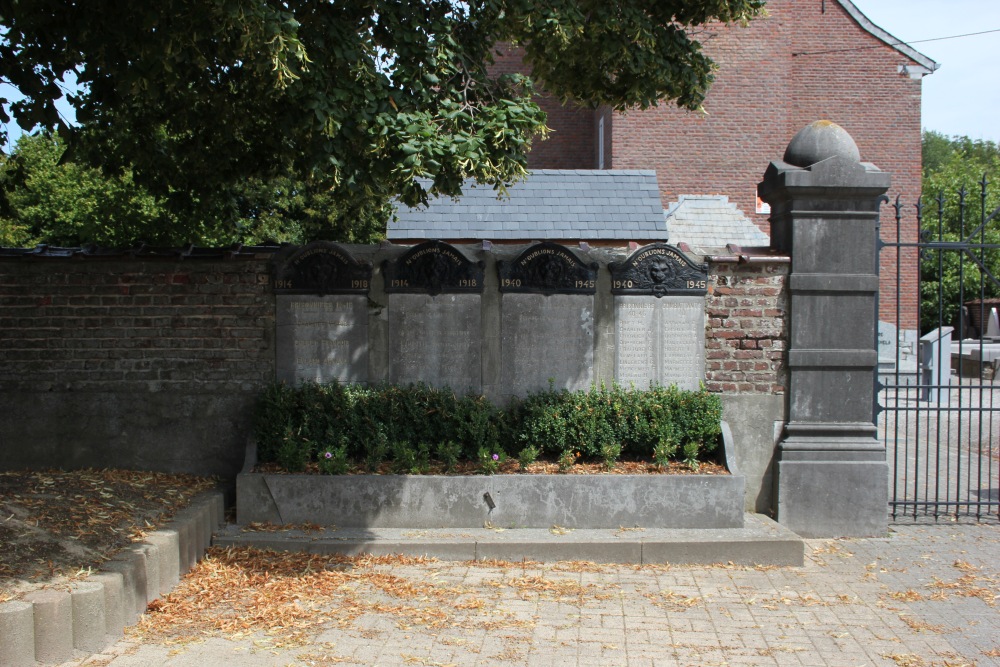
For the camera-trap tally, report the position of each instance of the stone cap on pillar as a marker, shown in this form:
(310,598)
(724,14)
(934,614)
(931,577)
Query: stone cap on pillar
(821,163)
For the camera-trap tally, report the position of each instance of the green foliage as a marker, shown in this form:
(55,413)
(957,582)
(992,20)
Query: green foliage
(334,460)
(449,452)
(567,459)
(489,461)
(957,209)
(53,200)
(527,456)
(366,99)
(409,425)
(65,203)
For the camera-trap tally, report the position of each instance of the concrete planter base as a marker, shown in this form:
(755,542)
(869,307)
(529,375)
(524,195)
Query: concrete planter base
(501,501)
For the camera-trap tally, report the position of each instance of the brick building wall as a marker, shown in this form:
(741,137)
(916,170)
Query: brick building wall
(807,60)
(134,364)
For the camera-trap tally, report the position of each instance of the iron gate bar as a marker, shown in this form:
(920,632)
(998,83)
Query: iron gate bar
(933,444)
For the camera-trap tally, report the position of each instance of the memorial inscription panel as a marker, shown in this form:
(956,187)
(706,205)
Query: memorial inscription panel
(436,340)
(545,337)
(321,327)
(321,338)
(660,341)
(659,318)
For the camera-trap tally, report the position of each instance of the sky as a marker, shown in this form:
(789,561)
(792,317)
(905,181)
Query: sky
(963,96)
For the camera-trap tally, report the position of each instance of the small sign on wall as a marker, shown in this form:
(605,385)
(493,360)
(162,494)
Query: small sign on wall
(762,206)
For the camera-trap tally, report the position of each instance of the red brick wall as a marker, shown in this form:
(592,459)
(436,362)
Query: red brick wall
(572,141)
(746,338)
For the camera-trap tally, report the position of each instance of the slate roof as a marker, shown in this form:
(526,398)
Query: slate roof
(711,221)
(576,204)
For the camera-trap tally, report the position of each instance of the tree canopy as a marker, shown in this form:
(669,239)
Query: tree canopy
(366,99)
(46,199)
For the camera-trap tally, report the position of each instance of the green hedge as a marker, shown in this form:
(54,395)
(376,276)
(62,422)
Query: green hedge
(408,426)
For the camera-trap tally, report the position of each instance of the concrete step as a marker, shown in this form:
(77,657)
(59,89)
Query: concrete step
(760,541)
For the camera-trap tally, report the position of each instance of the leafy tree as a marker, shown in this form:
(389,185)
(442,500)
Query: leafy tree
(957,209)
(366,99)
(47,199)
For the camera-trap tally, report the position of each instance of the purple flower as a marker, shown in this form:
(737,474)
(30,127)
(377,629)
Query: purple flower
(328,455)
(496,457)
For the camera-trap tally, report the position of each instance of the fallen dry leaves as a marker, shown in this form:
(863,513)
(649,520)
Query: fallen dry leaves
(236,593)
(58,523)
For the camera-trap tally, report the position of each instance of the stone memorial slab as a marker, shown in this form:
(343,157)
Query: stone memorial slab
(659,341)
(545,337)
(547,268)
(321,338)
(432,268)
(436,340)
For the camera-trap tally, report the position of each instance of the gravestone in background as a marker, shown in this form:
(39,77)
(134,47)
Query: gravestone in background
(547,320)
(435,320)
(659,298)
(322,315)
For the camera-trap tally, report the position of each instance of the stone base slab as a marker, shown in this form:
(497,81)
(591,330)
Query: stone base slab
(822,499)
(760,541)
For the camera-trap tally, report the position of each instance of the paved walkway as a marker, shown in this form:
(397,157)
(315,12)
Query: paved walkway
(926,595)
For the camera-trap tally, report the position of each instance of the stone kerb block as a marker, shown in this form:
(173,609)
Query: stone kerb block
(167,542)
(89,623)
(53,622)
(113,585)
(17,633)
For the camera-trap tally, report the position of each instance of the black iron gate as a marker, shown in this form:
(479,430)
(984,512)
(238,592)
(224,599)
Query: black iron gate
(939,360)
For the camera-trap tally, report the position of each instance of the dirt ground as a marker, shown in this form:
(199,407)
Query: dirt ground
(57,525)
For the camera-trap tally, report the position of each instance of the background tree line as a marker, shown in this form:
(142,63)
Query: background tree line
(957,208)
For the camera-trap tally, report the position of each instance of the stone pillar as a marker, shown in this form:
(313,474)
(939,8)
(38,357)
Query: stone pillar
(831,472)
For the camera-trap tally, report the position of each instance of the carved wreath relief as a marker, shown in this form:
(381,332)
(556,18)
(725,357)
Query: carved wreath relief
(321,268)
(433,267)
(661,270)
(548,268)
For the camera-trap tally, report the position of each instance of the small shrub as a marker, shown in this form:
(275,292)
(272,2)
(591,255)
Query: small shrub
(527,456)
(449,453)
(406,459)
(691,455)
(489,462)
(334,461)
(610,451)
(664,451)
(567,459)
(377,451)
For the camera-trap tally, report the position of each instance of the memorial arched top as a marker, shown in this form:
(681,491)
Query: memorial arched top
(659,269)
(321,267)
(433,267)
(547,268)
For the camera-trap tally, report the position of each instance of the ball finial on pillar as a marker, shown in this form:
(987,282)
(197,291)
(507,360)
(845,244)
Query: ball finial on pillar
(818,141)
